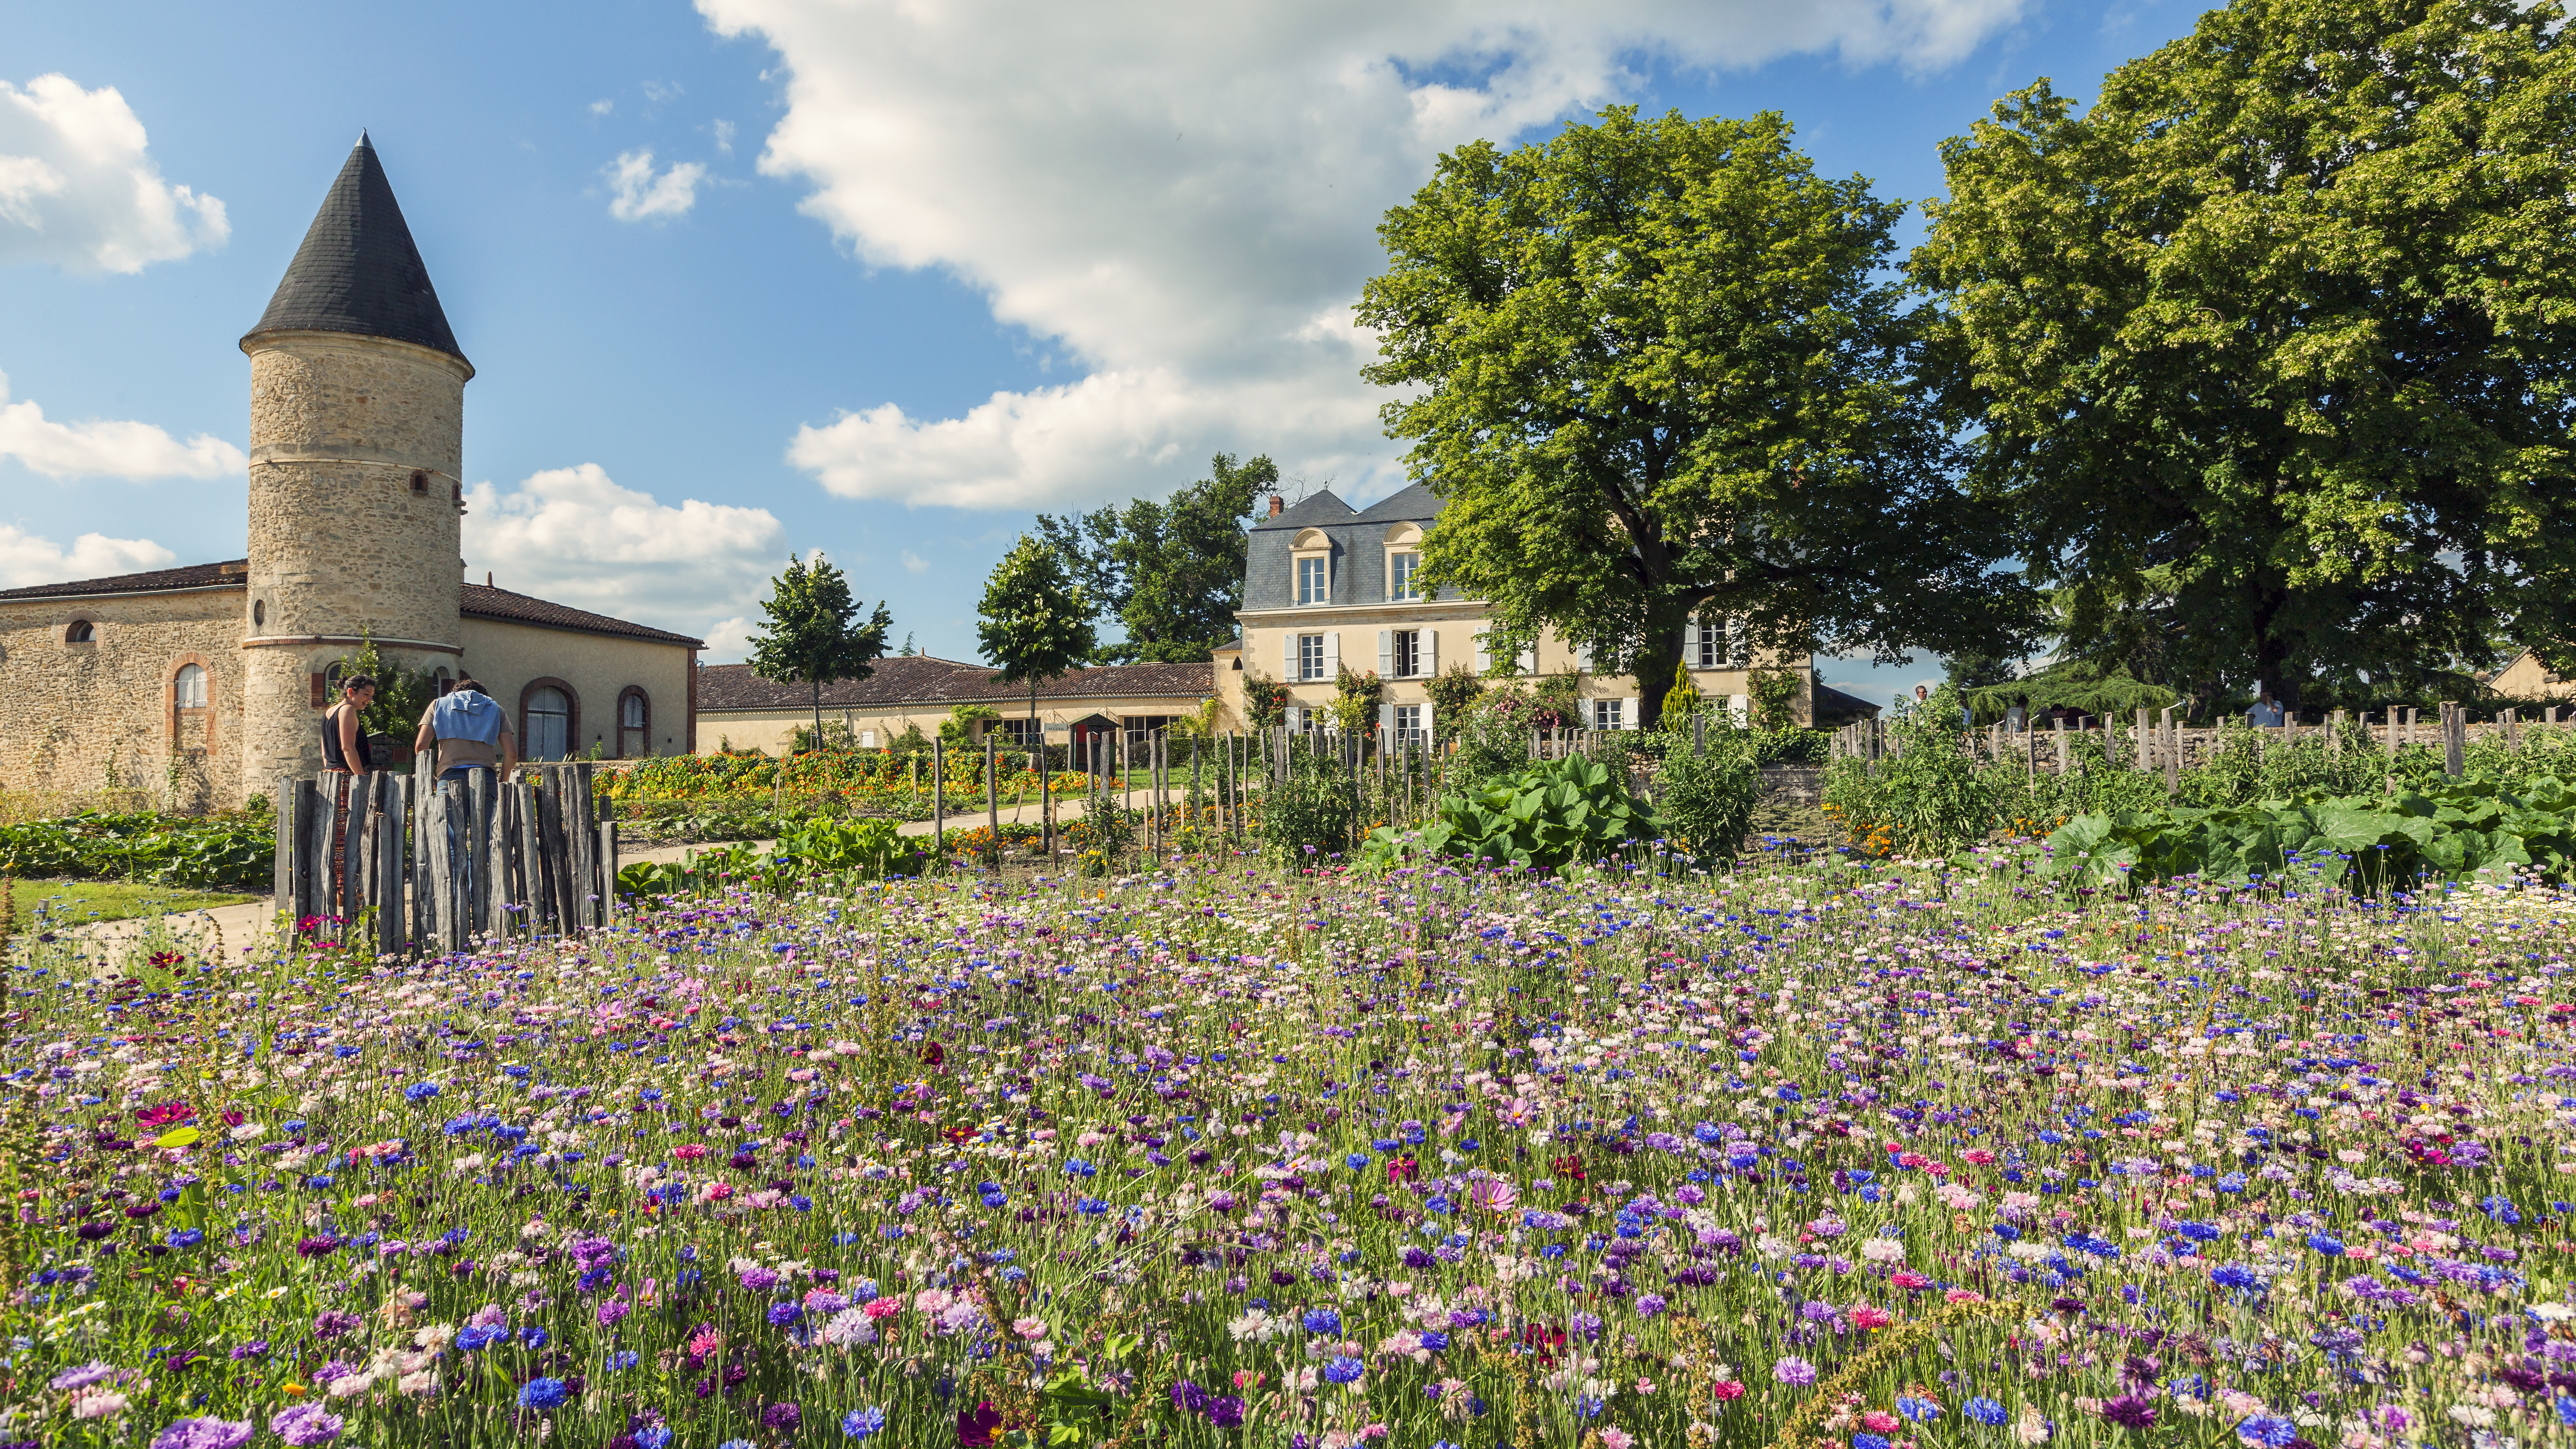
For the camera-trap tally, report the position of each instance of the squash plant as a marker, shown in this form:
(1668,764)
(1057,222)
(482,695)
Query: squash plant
(1552,815)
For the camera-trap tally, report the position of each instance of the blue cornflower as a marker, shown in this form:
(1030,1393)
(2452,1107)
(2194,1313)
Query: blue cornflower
(1343,1369)
(1356,1161)
(533,1336)
(1868,1441)
(473,1339)
(1921,1411)
(422,1092)
(1077,1167)
(2270,1431)
(542,1394)
(2331,1247)
(624,1358)
(1322,1320)
(2234,1275)
(186,1238)
(1984,1411)
(860,1423)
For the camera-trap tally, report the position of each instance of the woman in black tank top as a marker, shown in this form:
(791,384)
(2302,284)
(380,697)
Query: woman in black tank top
(356,693)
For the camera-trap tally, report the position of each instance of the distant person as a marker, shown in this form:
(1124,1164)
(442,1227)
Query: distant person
(2265,715)
(470,730)
(1922,695)
(2017,718)
(344,735)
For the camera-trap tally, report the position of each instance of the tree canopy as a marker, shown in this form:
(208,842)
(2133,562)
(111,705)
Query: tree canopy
(1168,574)
(812,633)
(2270,348)
(1656,371)
(1035,622)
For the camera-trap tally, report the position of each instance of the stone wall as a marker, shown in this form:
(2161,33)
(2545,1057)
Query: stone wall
(78,718)
(354,502)
(774,730)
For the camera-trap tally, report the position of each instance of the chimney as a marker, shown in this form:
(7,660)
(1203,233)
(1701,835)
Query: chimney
(487,578)
(1276,505)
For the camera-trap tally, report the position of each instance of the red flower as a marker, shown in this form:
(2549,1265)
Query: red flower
(979,1426)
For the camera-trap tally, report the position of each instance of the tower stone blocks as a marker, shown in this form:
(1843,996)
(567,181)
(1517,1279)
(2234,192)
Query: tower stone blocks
(356,449)
(357,424)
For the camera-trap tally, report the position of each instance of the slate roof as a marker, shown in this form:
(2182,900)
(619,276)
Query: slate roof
(482,601)
(922,679)
(1359,551)
(358,270)
(192,576)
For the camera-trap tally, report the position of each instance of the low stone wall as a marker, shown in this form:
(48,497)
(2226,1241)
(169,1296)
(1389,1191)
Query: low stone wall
(1793,785)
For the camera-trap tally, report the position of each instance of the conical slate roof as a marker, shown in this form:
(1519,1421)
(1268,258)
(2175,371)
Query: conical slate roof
(358,270)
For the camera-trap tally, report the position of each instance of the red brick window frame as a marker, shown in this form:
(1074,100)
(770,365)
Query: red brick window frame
(634,705)
(571,717)
(192,726)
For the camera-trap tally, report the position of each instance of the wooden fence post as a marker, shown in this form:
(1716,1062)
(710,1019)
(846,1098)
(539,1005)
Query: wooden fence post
(939,799)
(2173,752)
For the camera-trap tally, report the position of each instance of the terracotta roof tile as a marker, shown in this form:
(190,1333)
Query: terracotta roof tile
(482,601)
(922,679)
(234,574)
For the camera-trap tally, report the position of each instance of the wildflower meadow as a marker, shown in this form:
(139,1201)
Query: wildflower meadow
(1816,1152)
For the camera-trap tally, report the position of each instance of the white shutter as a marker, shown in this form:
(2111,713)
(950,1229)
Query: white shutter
(1583,656)
(1430,653)
(1333,654)
(1386,653)
(1426,720)
(1529,660)
(1484,652)
(1288,664)
(1386,717)
(1690,645)
(1628,714)
(1740,706)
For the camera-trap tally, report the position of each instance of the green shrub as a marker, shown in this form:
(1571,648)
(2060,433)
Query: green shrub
(1706,797)
(231,852)
(1551,815)
(1313,814)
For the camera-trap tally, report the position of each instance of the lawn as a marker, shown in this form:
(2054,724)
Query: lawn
(1815,1153)
(78,902)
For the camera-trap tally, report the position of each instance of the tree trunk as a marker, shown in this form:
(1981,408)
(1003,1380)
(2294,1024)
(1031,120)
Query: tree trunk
(818,714)
(1663,655)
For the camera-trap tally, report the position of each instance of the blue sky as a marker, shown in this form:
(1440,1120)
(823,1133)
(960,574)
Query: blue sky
(873,279)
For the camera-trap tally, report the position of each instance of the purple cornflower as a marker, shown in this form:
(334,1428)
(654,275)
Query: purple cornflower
(1796,1372)
(307,1424)
(204,1434)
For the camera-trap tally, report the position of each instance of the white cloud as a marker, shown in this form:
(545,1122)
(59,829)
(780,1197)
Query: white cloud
(109,449)
(728,640)
(1187,203)
(724,133)
(78,189)
(643,196)
(26,560)
(915,563)
(603,106)
(573,535)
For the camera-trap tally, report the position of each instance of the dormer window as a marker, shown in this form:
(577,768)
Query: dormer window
(1404,562)
(1311,560)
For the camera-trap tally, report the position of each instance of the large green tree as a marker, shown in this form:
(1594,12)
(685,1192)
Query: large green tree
(812,633)
(1656,370)
(2271,346)
(1169,574)
(1036,621)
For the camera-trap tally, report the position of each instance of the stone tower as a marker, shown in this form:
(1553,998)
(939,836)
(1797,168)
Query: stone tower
(357,403)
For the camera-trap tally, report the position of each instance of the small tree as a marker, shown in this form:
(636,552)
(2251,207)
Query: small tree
(813,635)
(1035,623)
(957,731)
(402,695)
(1682,700)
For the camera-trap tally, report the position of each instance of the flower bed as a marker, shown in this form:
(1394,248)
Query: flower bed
(1804,1155)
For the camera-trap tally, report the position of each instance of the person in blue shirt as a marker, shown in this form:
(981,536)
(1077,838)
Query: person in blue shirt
(471,731)
(2265,715)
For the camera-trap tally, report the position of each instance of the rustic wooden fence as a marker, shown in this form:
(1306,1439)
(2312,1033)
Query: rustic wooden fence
(2162,743)
(416,863)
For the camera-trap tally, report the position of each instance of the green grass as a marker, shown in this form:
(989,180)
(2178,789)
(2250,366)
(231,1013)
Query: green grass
(79,902)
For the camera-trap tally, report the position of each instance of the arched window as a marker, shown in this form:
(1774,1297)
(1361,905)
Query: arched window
(81,632)
(549,723)
(634,724)
(192,723)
